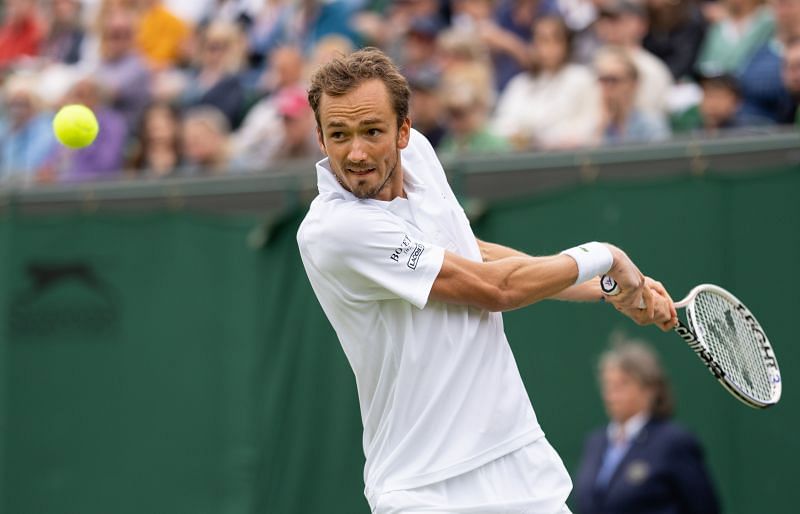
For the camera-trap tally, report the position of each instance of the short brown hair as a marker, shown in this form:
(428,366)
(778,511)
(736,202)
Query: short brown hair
(343,74)
(640,361)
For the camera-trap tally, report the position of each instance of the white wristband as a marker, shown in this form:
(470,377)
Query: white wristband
(593,259)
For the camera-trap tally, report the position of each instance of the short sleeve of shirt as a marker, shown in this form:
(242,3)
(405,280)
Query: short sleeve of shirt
(369,254)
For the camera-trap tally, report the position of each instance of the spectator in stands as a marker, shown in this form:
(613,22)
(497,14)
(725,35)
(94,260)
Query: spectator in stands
(504,27)
(466,105)
(320,18)
(624,23)
(298,135)
(460,51)
(641,461)
(271,29)
(285,69)
(731,41)
(21,31)
(104,158)
(676,31)
(157,154)
(555,103)
(720,109)
(26,136)
(385,28)
(162,37)
(419,48)
(217,81)
(255,141)
(122,70)
(760,77)
(425,107)
(205,142)
(66,33)
(791,80)
(621,120)
(237,12)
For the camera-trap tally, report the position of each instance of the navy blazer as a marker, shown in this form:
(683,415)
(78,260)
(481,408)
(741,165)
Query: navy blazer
(663,472)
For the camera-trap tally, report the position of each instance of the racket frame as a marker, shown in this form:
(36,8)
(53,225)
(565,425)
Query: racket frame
(701,348)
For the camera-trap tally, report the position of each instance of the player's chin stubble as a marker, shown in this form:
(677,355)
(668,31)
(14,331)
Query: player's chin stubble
(367,194)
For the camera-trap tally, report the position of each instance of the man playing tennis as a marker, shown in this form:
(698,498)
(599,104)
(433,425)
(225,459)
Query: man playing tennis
(415,300)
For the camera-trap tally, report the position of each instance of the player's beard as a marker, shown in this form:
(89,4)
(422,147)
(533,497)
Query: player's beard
(372,193)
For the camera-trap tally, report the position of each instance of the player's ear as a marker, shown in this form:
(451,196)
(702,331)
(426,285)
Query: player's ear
(404,133)
(321,142)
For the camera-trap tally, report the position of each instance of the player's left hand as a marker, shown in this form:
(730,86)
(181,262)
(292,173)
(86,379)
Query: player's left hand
(663,314)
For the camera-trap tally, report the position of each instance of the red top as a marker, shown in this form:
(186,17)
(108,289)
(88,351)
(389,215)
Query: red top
(18,39)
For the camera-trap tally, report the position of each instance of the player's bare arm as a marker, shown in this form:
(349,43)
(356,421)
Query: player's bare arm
(663,313)
(504,284)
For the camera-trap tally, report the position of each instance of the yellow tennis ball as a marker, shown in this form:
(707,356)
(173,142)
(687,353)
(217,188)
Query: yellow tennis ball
(75,126)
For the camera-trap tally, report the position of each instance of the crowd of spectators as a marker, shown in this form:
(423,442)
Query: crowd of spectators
(206,87)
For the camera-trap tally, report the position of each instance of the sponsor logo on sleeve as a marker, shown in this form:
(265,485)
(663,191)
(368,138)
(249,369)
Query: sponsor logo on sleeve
(413,259)
(403,249)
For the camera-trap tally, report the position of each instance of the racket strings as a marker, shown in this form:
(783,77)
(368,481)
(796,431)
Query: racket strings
(733,344)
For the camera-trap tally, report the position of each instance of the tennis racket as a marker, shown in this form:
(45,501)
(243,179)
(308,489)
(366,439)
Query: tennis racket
(729,340)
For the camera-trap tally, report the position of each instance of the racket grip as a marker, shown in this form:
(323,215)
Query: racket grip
(610,287)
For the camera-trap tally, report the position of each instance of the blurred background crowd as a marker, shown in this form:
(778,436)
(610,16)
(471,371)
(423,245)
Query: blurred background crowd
(208,87)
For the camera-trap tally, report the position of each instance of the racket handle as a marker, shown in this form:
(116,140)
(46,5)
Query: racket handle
(610,287)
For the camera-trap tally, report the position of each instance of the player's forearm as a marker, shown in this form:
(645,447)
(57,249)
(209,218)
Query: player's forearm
(588,291)
(525,280)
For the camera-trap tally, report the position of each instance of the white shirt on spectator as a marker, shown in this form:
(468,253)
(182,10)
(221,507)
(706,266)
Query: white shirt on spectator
(550,110)
(655,81)
(439,390)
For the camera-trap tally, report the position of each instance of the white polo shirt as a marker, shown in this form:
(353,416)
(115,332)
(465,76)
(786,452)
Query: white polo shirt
(439,389)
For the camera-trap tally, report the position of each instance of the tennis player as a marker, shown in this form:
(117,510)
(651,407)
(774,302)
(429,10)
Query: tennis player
(415,300)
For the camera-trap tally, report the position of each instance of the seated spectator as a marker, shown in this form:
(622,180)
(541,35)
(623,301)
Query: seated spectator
(760,81)
(466,110)
(623,23)
(66,33)
(385,24)
(103,159)
(720,108)
(642,461)
(459,51)
(205,142)
(162,37)
(676,31)
(26,136)
(504,27)
(217,81)
(517,17)
(122,70)
(621,121)
(555,104)
(791,80)
(425,107)
(298,135)
(254,141)
(731,41)
(271,29)
(157,153)
(285,69)
(21,31)
(418,51)
(320,19)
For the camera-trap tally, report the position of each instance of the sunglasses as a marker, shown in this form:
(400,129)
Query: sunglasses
(611,80)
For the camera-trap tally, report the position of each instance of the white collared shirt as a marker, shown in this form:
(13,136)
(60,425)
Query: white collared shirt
(438,387)
(630,428)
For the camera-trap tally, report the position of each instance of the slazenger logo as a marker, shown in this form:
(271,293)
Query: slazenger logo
(403,249)
(413,259)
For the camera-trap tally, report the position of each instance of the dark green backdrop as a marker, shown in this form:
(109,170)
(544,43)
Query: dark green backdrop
(156,363)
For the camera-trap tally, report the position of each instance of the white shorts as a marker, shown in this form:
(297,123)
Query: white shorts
(531,480)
